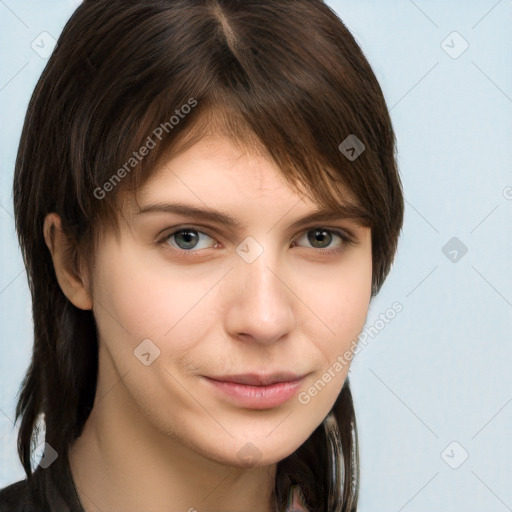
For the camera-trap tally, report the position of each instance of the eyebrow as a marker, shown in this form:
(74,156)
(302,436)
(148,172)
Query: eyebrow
(344,211)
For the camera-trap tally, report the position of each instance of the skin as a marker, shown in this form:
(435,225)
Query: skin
(160,434)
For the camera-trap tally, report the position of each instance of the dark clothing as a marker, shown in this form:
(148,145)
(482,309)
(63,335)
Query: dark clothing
(47,490)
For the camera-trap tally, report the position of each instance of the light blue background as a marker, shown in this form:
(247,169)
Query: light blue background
(439,371)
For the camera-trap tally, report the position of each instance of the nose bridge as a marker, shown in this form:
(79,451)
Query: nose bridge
(262,306)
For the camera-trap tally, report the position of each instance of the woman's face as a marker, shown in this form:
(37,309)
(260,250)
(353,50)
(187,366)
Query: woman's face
(185,303)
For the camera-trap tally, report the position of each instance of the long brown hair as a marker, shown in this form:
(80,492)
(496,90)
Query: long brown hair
(285,76)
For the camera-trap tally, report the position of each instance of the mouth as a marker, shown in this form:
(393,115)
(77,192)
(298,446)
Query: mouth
(257,391)
(254,379)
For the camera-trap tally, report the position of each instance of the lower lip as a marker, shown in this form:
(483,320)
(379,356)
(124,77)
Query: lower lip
(258,397)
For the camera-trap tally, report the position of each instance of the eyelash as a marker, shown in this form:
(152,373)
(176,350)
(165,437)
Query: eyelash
(346,239)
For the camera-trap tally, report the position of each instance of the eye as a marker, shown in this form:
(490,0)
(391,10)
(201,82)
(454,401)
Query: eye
(321,238)
(186,239)
(191,240)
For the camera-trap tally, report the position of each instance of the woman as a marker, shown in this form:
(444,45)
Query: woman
(207,198)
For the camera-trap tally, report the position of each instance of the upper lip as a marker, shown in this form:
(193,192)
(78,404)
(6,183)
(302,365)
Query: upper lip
(255,379)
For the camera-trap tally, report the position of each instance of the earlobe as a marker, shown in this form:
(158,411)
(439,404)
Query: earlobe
(72,285)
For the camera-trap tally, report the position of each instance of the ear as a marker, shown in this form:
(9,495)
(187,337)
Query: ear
(71,283)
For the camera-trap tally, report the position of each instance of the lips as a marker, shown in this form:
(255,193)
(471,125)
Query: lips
(256,391)
(254,379)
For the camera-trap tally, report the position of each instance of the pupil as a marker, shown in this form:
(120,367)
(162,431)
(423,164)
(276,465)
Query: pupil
(317,236)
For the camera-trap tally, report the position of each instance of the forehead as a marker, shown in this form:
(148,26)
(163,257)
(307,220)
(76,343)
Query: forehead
(212,164)
(217,169)
(216,181)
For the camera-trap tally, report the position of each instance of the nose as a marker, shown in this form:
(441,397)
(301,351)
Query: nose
(260,307)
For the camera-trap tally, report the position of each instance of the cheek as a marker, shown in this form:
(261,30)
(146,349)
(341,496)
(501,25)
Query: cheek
(135,301)
(339,300)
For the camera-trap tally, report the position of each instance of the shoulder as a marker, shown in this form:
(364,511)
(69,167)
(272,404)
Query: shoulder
(46,490)
(19,497)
